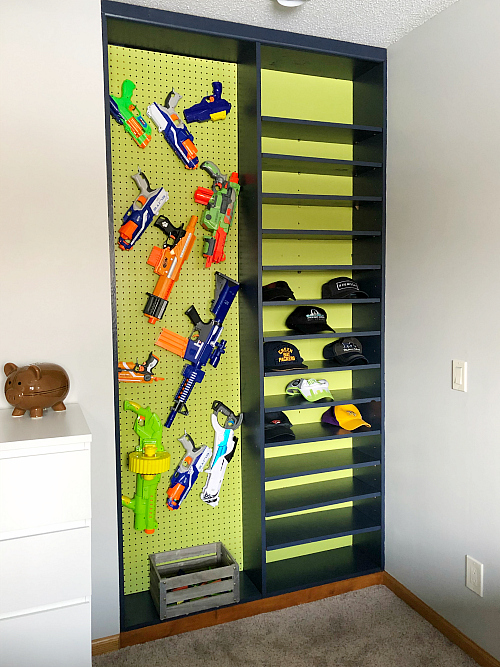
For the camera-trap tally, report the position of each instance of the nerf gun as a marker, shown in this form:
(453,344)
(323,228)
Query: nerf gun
(130,372)
(211,107)
(174,130)
(224,447)
(221,204)
(187,471)
(167,263)
(122,109)
(148,460)
(139,216)
(203,346)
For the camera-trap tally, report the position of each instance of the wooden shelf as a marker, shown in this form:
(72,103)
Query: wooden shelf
(286,199)
(314,165)
(310,130)
(317,234)
(318,301)
(291,531)
(315,569)
(342,332)
(321,366)
(318,494)
(323,267)
(341,397)
(317,431)
(297,465)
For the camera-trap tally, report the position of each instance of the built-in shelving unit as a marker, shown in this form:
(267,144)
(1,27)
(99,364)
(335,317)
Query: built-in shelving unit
(311,208)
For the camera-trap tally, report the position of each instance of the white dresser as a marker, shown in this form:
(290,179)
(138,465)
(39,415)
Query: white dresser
(45,540)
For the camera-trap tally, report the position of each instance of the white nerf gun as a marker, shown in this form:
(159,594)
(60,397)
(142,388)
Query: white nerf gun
(224,446)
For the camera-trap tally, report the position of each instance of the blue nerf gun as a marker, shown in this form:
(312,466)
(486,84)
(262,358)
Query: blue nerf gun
(174,130)
(224,447)
(187,471)
(211,107)
(203,346)
(139,216)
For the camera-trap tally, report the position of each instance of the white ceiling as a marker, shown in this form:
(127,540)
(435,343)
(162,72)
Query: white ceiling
(374,22)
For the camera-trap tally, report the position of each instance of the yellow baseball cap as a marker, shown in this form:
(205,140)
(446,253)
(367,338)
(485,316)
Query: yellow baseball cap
(347,417)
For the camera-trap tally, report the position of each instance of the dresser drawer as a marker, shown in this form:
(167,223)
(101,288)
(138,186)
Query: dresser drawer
(46,569)
(44,490)
(53,638)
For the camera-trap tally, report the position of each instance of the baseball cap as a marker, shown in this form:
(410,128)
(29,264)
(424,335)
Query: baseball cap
(277,427)
(311,389)
(341,288)
(308,319)
(347,417)
(282,356)
(278,291)
(346,351)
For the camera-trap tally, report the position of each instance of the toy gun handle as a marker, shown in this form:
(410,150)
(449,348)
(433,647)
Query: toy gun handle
(128,88)
(217,89)
(187,442)
(233,422)
(193,315)
(134,407)
(142,183)
(214,172)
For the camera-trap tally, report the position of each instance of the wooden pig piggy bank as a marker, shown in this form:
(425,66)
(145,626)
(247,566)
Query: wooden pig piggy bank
(36,387)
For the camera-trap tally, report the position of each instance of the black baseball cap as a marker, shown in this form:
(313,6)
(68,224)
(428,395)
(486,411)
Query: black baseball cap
(277,427)
(341,288)
(278,291)
(281,356)
(308,319)
(346,352)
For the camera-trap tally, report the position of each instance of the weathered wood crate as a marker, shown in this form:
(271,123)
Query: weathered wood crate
(194,579)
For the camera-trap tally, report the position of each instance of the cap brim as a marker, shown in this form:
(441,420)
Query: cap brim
(319,396)
(312,328)
(281,296)
(278,432)
(349,359)
(352,424)
(295,367)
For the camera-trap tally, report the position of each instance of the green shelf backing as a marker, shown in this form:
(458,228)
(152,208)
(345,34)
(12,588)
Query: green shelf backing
(195,522)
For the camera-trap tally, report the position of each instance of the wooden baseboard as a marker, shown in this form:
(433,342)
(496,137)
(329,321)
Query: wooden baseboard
(481,656)
(226,614)
(105,644)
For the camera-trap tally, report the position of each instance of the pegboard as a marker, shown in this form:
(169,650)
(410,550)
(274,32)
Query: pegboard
(195,523)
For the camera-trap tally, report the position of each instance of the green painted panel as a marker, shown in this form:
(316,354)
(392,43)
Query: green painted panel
(195,522)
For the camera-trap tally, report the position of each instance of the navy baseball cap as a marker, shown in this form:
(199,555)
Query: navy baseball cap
(346,352)
(277,427)
(282,356)
(308,319)
(278,291)
(342,288)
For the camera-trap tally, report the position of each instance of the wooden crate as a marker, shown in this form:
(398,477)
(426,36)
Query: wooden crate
(185,581)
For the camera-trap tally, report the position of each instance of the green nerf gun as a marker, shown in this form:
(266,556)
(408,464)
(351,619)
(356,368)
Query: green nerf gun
(221,203)
(122,109)
(148,460)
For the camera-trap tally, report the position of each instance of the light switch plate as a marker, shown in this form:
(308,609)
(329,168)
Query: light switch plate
(459,375)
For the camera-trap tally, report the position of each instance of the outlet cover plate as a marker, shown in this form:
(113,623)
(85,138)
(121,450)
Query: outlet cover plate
(474,575)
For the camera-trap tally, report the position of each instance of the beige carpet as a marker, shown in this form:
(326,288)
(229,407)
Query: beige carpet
(367,628)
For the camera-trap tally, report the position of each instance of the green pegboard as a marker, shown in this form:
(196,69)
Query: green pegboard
(195,523)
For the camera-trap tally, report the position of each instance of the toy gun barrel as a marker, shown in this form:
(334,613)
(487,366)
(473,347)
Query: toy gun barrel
(143,504)
(183,393)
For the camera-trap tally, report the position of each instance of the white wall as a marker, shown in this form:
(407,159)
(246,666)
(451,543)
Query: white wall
(443,283)
(54,266)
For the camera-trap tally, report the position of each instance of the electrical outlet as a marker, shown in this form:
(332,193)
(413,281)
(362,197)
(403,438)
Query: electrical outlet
(459,375)
(474,575)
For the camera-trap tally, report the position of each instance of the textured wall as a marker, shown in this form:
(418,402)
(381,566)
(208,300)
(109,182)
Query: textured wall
(443,278)
(54,267)
(373,22)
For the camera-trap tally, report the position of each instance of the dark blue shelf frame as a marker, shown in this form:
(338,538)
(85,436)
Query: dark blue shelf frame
(254,49)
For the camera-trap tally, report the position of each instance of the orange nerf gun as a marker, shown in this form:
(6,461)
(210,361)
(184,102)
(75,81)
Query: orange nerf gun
(167,263)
